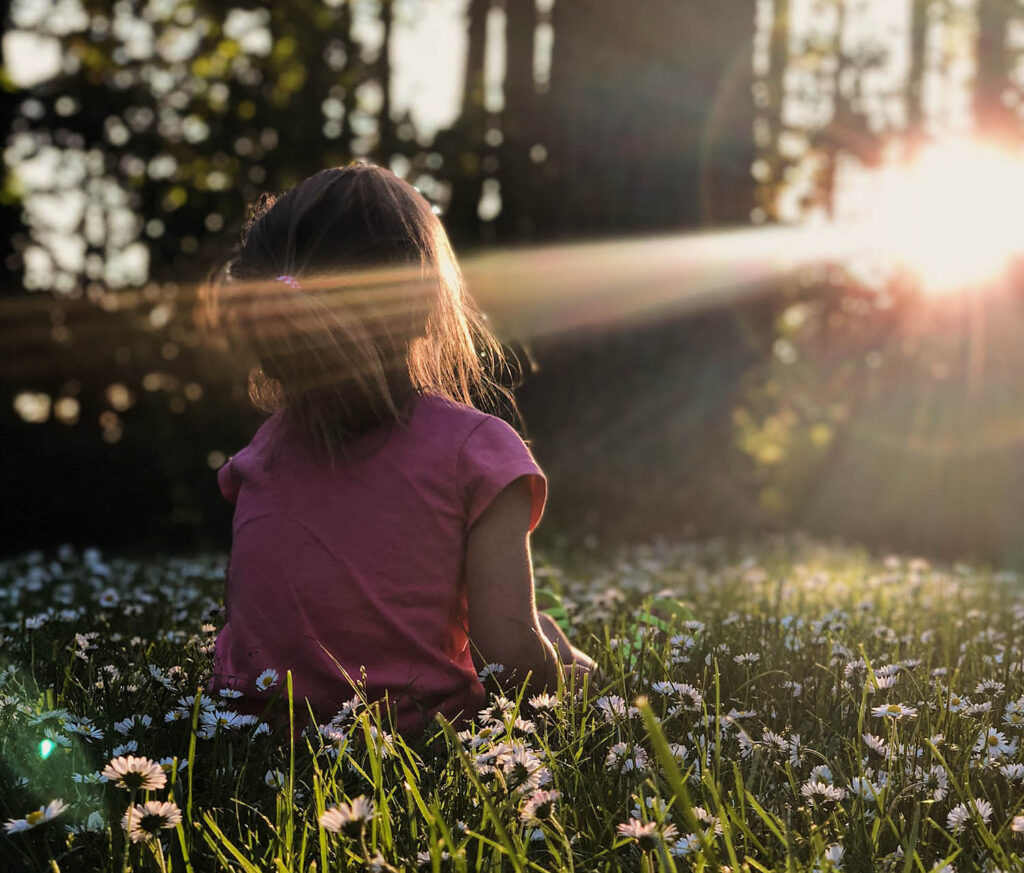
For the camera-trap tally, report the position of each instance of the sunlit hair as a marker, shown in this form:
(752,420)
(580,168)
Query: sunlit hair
(376,314)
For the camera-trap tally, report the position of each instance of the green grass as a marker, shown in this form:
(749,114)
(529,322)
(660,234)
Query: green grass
(755,759)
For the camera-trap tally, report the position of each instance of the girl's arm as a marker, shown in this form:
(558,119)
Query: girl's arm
(504,626)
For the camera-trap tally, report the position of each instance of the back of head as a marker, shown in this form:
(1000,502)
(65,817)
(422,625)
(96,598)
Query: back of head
(346,297)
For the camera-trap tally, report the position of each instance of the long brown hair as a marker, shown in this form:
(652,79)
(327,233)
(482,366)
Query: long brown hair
(346,296)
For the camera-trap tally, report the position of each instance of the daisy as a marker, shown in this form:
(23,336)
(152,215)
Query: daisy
(936,783)
(686,845)
(656,808)
(1017,825)
(865,789)
(522,769)
(876,746)
(539,807)
(133,773)
(543,701)
(84,727)
(267,680)
(648,835)
(622,757)
(145,821)
(893,711)
(125,726)
(492,669)
(993,744)
(821,793)
(36,818)
(230,693)
(1013,772)
(960,815)
(349,818)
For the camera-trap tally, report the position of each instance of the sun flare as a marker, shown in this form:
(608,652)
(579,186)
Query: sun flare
(952,216)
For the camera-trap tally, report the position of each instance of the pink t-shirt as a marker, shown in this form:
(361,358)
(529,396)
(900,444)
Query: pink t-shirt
(365,564)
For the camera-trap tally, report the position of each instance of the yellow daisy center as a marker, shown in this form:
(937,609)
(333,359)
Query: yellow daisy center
(33,818)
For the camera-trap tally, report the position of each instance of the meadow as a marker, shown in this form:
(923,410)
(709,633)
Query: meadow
(779,705)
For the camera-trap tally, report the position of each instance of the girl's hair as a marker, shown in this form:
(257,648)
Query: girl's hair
(346,295)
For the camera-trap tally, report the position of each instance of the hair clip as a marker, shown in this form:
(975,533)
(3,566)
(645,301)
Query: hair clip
(290,281)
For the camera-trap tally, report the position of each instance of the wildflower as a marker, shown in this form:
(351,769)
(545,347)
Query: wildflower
(145,821)
(893,711)
(648,835)
(990,687)
(865,789)
(821,773)
(231,693)
(84,727)
(833,857)
(36,818)
(125,726)
(876,746)
(274,779)
(539,806)
(956,703)
(625,759)
(94,824)
(522,769)
(543,701)
(267,680)
(133,773)
(711,822)
(130,746)
(614,708)
(1017,825)
(821,793)
(655,807)
(686,845)
(349,818)
(492,669)
(960,815)
(1013,772)
(167,763)
(993,744)
(936,783)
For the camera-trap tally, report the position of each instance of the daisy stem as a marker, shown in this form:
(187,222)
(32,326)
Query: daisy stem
(128,831)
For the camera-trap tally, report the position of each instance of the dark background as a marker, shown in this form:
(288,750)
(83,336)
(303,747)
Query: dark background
(682,424)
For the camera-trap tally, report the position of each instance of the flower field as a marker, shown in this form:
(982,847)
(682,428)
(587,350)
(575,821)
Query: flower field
(813,709)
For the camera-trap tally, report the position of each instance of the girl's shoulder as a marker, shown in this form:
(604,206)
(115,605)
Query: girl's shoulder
(454,416)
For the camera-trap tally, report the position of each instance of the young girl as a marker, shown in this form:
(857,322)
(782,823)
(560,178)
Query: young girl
(381,524)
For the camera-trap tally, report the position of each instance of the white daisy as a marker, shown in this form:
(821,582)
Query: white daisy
(349,818)
(960,815)
(893,711)
(36,818)
(539,806)
(133,773)
(145,821)
(267,680)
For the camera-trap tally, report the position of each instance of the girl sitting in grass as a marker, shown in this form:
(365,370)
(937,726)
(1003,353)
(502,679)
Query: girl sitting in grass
(381,524)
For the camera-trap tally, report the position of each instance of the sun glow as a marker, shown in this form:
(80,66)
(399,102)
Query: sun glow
(952,217)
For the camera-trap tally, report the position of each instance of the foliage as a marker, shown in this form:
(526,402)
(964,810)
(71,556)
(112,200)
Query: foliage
(757,743)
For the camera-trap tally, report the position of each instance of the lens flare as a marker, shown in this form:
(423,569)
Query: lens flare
(951,217)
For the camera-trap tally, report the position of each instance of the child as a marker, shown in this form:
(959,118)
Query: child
(381,522)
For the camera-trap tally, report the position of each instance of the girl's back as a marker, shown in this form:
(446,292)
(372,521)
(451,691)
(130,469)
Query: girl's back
(376,521)
(361,565)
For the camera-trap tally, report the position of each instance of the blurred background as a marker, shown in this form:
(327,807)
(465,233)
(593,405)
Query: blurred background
(760,258)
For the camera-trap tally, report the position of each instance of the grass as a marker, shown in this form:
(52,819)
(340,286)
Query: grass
(746,739)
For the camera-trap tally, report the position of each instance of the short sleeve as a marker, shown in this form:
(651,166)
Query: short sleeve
(227,479)
(492,457)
